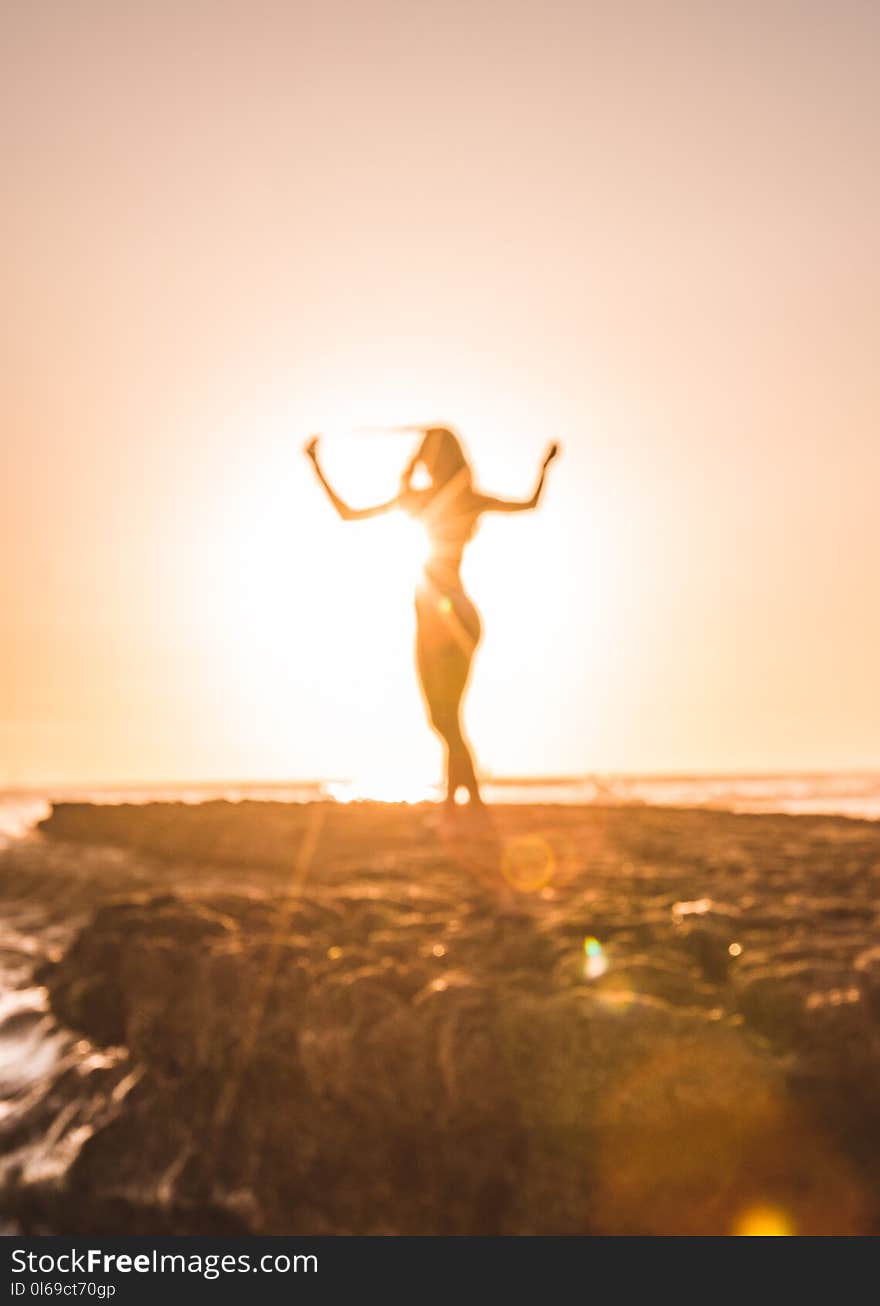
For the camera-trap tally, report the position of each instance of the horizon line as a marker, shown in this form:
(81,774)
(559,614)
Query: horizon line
(597,776)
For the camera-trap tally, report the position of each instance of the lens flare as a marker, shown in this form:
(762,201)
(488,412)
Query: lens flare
(528,863)
(764,1222)
(595,960)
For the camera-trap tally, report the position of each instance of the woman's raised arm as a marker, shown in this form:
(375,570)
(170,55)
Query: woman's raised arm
(346,512)
(490,504)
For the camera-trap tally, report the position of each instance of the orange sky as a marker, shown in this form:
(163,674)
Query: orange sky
(647,230)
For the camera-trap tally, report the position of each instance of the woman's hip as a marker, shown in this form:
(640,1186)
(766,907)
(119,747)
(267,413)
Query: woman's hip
(447,618)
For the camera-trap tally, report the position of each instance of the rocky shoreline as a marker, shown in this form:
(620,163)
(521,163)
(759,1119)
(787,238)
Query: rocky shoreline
(319,1019)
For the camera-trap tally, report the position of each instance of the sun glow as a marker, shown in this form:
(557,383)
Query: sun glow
(303,634)
(301,631)
(383,787)
(397,546)
(764,1222)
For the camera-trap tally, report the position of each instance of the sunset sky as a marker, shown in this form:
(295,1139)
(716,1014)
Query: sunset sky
(647,230)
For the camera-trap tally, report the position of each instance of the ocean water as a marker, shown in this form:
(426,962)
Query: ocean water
(854,794)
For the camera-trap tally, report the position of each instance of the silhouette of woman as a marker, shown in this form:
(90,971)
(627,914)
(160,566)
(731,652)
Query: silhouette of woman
(447,623)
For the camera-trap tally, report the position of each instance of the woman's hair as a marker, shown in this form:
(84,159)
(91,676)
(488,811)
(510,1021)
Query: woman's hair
(442,456)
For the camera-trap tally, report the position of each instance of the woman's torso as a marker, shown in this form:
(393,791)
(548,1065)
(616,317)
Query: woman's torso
(449,522)
(444,609)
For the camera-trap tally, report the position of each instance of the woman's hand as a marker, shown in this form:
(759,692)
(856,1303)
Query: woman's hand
(551,454)
(310,449)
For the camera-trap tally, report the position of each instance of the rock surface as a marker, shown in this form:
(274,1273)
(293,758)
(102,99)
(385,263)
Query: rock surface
(325,1019)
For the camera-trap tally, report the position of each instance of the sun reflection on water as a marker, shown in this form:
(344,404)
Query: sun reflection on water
(383,787)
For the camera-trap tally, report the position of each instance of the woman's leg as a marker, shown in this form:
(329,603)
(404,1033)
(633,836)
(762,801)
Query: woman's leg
(443,672)
(460,773)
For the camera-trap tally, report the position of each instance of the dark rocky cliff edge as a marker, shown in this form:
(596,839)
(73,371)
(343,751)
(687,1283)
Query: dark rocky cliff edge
(324,1019)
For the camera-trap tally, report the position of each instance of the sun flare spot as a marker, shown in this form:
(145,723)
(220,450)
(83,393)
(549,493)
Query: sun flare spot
(764,1222)
(595,958)
(527,863)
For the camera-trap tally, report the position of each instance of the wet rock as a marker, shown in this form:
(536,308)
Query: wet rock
(774,998)
(374,1044)
(296,1077)
(867,972)
(709,946)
